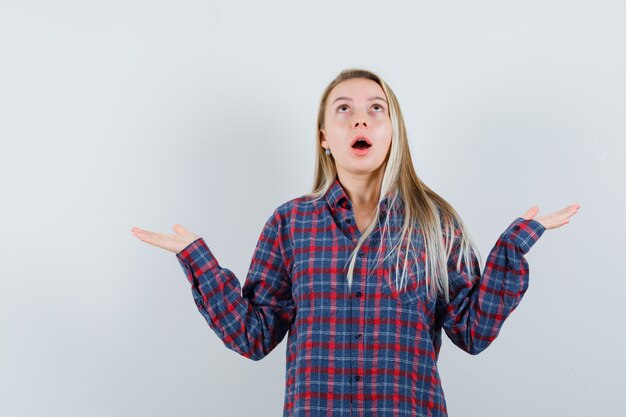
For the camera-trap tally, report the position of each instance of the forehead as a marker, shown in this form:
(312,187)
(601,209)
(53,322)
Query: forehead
(357,89)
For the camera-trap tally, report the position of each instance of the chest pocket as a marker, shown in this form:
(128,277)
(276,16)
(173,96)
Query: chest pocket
(413,285)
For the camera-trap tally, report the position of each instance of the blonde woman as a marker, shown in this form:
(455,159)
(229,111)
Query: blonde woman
(364,272)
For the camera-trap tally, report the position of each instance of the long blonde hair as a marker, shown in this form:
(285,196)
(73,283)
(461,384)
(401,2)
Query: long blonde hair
(439,221)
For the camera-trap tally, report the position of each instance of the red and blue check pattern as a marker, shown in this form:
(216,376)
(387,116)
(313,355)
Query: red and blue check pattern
(368,350)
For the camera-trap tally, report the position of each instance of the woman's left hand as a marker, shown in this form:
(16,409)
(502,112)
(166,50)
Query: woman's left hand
(552,220)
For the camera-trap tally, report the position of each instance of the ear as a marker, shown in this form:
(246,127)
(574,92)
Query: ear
(324,141)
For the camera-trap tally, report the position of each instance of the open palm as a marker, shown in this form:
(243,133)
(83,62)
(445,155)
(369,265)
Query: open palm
(173,243)
(552,220)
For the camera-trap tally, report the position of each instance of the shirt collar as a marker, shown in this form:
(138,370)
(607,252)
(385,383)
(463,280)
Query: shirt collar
(336,196)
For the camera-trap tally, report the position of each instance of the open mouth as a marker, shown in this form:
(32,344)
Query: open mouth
(361,144)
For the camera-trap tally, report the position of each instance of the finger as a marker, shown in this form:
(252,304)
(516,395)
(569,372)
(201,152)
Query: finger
(564,214)
(559,222)
(555,220)
(136,231)
(182,234)
(569,210)
(150,237)
(531,212)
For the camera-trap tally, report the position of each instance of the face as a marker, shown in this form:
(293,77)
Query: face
(357,108)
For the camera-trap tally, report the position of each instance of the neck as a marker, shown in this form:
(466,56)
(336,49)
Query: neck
(363,190)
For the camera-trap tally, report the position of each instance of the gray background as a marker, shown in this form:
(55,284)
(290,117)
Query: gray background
(141,113)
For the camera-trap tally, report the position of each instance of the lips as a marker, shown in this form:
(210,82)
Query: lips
(361,142)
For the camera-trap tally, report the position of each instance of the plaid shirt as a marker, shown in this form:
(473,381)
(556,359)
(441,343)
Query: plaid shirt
(368,350)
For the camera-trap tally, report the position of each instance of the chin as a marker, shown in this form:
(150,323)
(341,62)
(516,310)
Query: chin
(365,168)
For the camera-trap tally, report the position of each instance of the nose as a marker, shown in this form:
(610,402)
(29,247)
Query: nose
(360,119)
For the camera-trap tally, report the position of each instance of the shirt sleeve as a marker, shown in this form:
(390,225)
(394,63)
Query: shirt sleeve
(479,304)
(251,320)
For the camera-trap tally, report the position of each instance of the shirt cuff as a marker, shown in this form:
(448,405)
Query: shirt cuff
(196,258)
(524,233)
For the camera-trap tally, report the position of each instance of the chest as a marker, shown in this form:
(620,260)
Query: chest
(321,252)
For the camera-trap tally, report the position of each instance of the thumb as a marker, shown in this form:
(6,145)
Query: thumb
(178,229)
(531,212)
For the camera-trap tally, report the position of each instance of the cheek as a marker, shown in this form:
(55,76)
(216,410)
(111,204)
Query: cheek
(387,135)
(336,125)
(385,130)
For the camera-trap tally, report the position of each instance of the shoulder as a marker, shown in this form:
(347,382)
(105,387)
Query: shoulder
(301,208)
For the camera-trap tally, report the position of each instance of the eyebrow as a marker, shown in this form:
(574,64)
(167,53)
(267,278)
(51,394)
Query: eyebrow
(349,99)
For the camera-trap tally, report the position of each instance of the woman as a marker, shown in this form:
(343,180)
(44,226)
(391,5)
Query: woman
(363,272)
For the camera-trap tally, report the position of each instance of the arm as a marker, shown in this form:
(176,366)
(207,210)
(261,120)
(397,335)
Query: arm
(479,305)
(253,320)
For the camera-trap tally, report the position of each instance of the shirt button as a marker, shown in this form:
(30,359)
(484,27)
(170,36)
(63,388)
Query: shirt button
(516,227)
(361,254)
(357,378)
(358,293)
(358,336)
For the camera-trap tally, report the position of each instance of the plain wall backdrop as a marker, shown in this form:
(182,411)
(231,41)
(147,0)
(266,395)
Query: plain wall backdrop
(151,113)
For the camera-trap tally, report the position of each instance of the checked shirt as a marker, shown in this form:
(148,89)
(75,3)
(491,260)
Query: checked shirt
(367,350)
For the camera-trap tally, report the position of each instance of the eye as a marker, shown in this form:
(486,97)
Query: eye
(343,106)
(379,107)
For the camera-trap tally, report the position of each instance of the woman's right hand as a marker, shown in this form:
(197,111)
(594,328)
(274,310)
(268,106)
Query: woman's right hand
(173,243)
